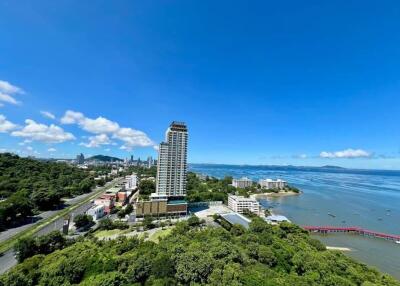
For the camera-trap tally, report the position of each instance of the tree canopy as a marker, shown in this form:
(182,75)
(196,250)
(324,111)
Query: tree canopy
(191,255)
(28,186)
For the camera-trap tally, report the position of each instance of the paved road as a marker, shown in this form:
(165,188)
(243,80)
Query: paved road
(8,260)
(68,202)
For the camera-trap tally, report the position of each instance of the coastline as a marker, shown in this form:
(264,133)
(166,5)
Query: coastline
(274,195)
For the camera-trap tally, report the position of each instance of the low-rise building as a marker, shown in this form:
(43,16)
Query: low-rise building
(271,184)
(96,212)
(107,201)
(239,204)
(161,207)
(122,198)
(131,182)
(242,183)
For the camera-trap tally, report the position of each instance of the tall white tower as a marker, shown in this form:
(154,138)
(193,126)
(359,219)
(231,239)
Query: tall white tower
(172,162)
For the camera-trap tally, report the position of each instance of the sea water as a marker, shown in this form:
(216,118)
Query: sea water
(336,197)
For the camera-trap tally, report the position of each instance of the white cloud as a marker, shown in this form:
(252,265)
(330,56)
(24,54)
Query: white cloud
(348,153)
(303,156)
(103,126)
(6,92)
(107,150)
(48,114)
(44,133)
(8,98)
(29,148)
(23,143)
(51,150)
(97,126)
(126,148)
(5,125)
(97,141)
(7,87)
(156,147)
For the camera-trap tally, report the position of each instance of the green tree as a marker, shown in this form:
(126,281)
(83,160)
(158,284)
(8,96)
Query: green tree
(48,243)
(147,187)
(83,221)
(193,221)
(194,267)
(24,248)
(266,255)
(237,229)
(139,270)
(148,222)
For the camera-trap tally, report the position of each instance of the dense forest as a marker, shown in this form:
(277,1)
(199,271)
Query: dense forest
(194,254)
(29,186)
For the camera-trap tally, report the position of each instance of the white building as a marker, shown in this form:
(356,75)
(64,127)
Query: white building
(96,211)
(271,184)
(131,182)
(150,162)
(239,204)
(242,183)
(172,162)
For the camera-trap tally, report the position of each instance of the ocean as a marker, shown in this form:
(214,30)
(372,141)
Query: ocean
(363,198)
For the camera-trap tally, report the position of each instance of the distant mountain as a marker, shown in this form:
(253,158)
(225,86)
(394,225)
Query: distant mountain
(332,167)
(104,158)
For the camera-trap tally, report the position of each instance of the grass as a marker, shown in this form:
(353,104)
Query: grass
(155,237)
(107,233)
(9,243)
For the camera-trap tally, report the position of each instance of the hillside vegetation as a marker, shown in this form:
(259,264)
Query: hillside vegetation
(28,186)
(193,254)
(104,158)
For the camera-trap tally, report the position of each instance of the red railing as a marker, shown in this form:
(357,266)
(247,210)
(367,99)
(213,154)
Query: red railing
(353,229)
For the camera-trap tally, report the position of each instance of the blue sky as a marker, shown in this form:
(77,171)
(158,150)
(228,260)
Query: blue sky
(266,82)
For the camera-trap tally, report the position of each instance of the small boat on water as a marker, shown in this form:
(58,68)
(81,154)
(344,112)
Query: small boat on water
(380,218)
(332,215)
(397,241)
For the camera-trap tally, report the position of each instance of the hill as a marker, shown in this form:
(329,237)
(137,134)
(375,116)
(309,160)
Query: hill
(28,186)
(104,158)
(194,254)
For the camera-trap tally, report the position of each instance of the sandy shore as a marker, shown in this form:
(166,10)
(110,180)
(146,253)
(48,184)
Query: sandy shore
(338,248)
(273,195)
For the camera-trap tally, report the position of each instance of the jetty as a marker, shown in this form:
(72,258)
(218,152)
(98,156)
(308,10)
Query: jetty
(355,230)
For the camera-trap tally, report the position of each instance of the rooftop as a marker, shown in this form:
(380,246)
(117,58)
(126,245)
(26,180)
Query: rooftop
(235,218)
(278,218)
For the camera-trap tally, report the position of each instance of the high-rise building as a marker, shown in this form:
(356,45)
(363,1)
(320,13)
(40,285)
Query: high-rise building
(172,162)
(149,162)
(80,159)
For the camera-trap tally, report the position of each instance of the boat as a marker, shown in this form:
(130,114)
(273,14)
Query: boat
(332,215)
(397,241)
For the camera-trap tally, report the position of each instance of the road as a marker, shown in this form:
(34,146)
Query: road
(8,260)
(44,215)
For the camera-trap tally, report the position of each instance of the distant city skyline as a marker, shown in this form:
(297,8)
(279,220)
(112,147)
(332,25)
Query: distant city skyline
(294,83)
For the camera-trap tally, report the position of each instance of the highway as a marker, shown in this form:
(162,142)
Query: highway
(7,260)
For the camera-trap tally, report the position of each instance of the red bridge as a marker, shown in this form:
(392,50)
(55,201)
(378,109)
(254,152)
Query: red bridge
(356,230)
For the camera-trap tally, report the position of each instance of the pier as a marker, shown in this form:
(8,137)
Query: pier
(355,230)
